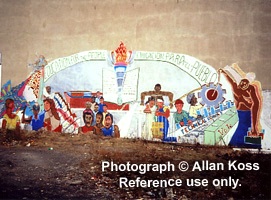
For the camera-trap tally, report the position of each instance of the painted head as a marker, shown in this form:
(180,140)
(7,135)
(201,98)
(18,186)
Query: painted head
(48,89)
(160,103)
(88,105)
(157,87)
(98,94)
(9,103)
(102,100)
(96,107)
(244,84)
(192,99)
(36,109)
(108,120)
(49,105)
(93,99)
(151,101)
(105,108)
(99,118)
(88,118)
(179,105)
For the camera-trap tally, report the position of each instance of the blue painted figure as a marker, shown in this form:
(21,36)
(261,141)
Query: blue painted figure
(109,129)
(163,114)
(37,119)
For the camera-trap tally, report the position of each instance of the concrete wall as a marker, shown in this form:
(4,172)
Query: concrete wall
(214,31)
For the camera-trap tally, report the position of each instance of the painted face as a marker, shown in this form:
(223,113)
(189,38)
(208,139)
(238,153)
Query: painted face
(108,122)
(194,100)
(47,106)
(96,108)
(157,88)
(88,120)
(48,89)
(151,103)
(35,112)
(11,105)
(160,104)
(88,105)
(244,84)
(179,107)
(98,119)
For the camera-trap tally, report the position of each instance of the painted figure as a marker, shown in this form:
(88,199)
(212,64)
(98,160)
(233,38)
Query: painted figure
(162,113)
(88,119)
(36,120)
(95,111)
(109,129)
(157,94)
(105,112)
(92,101)
(98,96)
(11,121)
(150,118)
(181,117)
(248,102)
(193,100)
(101,104)
(98,125)
(47,92)
(51,119)
(87,109)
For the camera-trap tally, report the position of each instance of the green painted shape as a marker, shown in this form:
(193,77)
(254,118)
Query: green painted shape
(220,127)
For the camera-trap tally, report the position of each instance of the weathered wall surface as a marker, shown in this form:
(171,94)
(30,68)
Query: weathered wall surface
(216,32)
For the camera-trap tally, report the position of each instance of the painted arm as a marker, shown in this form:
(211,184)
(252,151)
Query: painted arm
(24,119)
(143,94)
(170,96)
(4,124)
(229,79)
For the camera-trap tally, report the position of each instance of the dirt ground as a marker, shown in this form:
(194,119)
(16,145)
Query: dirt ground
(46,165)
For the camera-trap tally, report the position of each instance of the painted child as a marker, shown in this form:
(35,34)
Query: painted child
(109,129)
(11,121)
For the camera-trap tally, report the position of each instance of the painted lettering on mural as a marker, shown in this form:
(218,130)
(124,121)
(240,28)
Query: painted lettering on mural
(62,63)
(197,69)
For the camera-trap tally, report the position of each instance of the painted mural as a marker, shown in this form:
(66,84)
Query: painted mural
(160,96)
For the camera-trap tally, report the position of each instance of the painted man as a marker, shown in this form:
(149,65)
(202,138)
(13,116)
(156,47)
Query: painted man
(88,118)
(248,103)
(181,117)
(194,106)
(157,94)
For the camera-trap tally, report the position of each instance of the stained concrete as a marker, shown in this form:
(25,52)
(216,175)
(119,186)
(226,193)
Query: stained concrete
(216,32)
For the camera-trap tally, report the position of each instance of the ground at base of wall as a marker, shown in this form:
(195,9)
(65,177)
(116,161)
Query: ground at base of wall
(46,165)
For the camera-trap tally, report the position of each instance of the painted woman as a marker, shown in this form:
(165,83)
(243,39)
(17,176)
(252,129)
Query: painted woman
(51,119)
(150,118)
